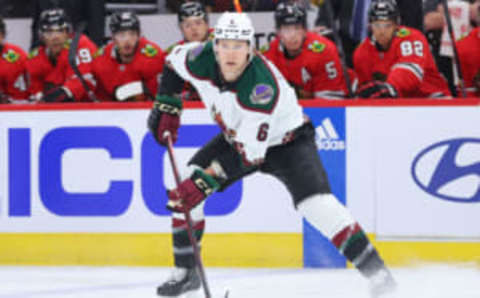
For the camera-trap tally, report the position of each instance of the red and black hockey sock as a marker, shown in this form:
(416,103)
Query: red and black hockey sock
(182,248)
(355,246)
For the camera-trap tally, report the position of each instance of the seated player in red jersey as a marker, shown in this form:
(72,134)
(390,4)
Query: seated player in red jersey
(308,61)
(13,81)
(51,77)
(128,68)
(469,56)
(395,61)
(193,23)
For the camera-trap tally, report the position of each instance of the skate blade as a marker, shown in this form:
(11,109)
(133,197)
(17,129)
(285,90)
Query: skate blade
(198,293)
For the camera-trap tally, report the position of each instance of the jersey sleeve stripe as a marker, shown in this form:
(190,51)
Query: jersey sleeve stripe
(439,95)
(330,94)
(412,67)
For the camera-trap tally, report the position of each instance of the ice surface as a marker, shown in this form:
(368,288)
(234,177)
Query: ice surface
(433,281)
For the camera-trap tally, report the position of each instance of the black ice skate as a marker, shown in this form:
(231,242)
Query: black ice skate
(183,280)
(382,284)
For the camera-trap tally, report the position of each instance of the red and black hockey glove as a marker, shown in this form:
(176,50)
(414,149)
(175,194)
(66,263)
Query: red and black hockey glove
(59,94)
(191,192)
(377,89)
(165,117)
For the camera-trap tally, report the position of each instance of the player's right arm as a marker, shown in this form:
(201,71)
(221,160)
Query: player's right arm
(164,118)
(164,121)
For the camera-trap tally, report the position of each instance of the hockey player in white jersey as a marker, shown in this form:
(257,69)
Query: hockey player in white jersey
(263,129)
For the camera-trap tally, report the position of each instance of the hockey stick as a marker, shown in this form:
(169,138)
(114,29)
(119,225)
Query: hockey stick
(188,218)
(72,55)
(238,6)
(454,46)
(338,42)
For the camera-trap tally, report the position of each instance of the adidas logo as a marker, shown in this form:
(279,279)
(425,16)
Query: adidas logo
(327,137)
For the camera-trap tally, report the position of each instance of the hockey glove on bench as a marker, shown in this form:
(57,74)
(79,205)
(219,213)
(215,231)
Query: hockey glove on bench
(377,89)
(165,117)
(59,94)
(191,192)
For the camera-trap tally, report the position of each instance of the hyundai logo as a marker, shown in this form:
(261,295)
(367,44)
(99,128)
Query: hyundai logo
(450,170)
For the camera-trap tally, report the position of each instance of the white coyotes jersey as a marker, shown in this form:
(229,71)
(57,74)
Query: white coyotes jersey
(255,112)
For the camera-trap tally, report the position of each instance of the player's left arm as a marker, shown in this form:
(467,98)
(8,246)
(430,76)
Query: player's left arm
(84,60)
(408,72)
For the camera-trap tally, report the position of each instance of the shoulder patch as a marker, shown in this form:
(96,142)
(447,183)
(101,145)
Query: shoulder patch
(11,56)
(403,32)
(67,44)
(99,52)
(257,88)
(262,94)
(149,51)
(317,47)
(265,48)
(33,53)
(195,52)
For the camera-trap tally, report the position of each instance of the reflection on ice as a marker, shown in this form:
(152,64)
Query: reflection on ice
(432,281)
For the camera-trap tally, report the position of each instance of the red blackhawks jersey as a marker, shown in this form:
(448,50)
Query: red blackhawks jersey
(315,72)
(110,73)
(469,55)
(408,65)
(45,73)
(13,82)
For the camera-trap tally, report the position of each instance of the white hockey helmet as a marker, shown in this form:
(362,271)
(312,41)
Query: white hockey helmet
(235,25)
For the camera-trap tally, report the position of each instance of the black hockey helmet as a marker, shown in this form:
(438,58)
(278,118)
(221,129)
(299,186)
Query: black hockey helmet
(383,10)
(124,20)
(53,19)
(290,13)
(3,27)
(192,9)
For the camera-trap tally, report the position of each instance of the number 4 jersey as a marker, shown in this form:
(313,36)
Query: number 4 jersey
(408,65)
(13,84)
(257,111)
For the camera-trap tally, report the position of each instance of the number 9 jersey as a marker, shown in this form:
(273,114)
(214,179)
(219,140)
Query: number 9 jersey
(407,65)
(46,73)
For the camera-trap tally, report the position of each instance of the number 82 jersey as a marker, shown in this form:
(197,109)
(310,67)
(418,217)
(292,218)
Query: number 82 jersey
(407,64)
